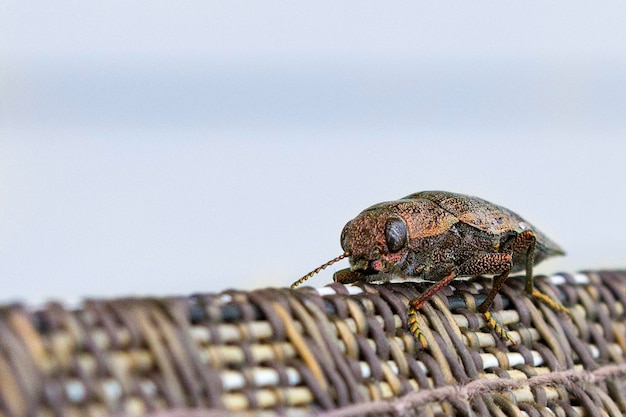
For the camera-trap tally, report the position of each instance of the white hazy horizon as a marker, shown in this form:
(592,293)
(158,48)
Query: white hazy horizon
(174,150)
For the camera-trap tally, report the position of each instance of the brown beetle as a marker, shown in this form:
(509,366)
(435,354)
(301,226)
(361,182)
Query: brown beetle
(438,236)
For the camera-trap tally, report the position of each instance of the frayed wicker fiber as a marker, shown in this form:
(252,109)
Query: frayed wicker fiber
(335,351)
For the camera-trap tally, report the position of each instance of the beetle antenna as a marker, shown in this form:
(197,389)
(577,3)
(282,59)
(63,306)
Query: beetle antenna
(319,268)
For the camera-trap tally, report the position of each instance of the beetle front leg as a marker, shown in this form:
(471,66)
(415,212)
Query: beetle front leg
(417,303)
(347,276)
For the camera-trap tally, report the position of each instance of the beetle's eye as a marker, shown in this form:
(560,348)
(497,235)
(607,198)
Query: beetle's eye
(395,234)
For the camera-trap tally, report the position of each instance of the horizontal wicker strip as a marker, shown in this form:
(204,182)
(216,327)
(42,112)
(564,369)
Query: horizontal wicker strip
(335,351)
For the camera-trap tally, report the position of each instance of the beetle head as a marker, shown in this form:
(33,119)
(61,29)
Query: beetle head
(375,241)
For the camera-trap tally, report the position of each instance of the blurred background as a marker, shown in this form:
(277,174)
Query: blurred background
(151,148)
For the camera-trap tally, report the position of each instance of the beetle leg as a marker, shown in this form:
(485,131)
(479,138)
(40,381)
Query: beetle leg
(485,263)
(417,303)
(483,308)
(526,241)
(346,276)
(491,263)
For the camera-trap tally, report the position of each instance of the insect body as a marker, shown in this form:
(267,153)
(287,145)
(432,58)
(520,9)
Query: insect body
(439,236)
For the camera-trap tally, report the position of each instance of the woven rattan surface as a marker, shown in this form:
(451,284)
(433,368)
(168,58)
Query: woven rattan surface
(336,351)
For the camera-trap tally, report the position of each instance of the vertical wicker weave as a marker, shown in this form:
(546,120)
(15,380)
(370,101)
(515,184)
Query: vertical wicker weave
(335,351)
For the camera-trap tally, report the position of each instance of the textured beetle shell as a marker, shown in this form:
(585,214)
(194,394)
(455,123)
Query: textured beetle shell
(444,230)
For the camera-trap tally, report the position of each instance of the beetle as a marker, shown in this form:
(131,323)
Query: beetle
(439,236)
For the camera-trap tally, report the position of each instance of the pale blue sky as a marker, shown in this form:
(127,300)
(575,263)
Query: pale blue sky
(153,149)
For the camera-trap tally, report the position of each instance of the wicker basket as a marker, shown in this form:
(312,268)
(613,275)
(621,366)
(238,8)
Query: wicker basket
(334,351)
